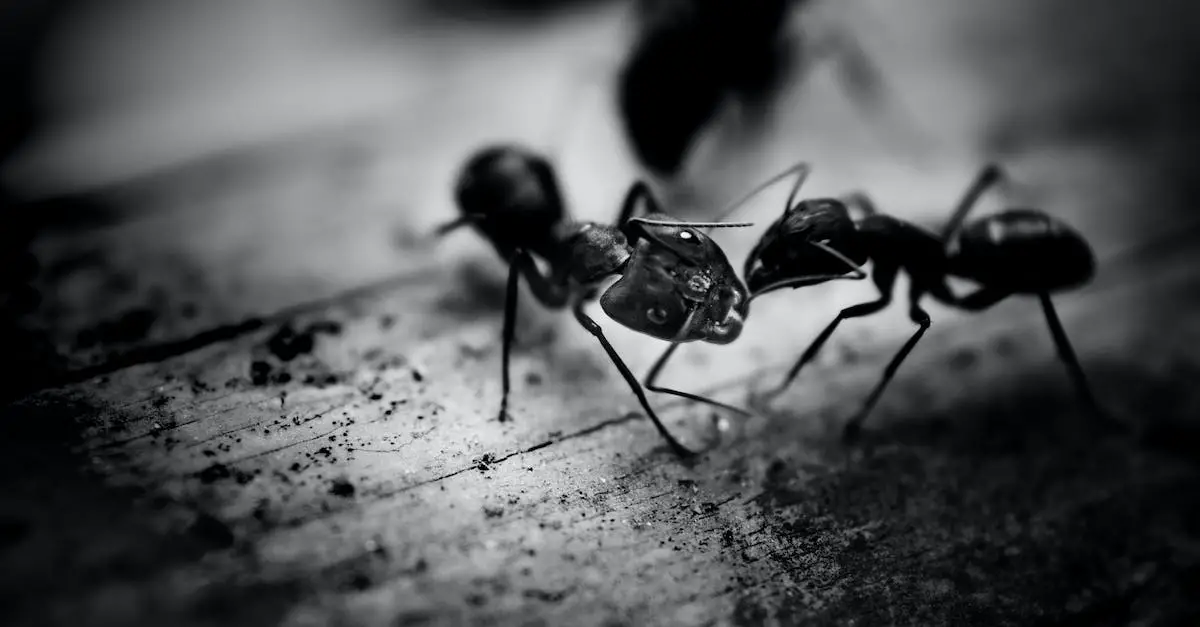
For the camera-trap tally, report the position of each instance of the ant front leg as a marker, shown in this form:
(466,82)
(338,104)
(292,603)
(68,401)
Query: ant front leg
(592,327)
(885,280)
(917,315)
(549,292)
(657,369)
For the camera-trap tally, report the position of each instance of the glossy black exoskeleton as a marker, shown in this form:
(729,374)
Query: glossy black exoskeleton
(674,282)
(1013,252)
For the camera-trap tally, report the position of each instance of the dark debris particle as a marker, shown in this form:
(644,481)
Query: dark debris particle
(493,512)
(342,488)
(260,373)
(485,462)
(533,378)
(214,473)
(547,596)
(417,375)
(219,472)
(287,344)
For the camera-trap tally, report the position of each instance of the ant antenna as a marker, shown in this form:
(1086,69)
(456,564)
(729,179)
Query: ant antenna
(865,86)
(800,169)
(698,225)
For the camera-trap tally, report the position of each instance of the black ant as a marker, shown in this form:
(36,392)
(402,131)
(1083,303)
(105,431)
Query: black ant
(1013,252)
(675,283)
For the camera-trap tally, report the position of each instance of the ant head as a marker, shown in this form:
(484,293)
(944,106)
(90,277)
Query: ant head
(509,190)
(787,252)
(1024,250)
(678,286)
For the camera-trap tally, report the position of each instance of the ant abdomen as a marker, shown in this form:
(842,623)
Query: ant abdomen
(1024,251)
(510,194)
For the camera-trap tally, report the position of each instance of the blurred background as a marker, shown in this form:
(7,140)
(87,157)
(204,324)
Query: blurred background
(178,175)
(174,166)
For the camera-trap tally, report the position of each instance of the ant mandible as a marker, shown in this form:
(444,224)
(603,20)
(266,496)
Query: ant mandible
(675,283)
(1013,252)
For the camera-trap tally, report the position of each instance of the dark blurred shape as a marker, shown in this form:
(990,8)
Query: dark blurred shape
(499,9)
(24,29)
(690,56)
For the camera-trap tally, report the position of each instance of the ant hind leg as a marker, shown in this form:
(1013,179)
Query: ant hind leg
(885,279)
(1067,354)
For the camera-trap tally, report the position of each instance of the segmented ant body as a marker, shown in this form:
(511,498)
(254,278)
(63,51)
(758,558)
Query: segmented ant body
(1013,252)
(674,282)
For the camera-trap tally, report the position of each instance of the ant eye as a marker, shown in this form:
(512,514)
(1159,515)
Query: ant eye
(657,315)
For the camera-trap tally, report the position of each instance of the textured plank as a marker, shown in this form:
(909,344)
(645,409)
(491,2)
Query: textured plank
(295,453)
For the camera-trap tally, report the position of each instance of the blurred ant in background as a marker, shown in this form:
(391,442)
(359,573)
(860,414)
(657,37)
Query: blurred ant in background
(1012,252)
(674,282)
(692,57)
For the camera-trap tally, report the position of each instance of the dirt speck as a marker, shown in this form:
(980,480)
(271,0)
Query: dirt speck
(342,488)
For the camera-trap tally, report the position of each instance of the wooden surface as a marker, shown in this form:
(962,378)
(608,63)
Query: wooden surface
(277,400)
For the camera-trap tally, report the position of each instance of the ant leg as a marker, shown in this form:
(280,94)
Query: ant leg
(657,368)
(885,278)
(511,293)
(548,292)
(591,327)
(917,315)
(988,176)
(1074,370)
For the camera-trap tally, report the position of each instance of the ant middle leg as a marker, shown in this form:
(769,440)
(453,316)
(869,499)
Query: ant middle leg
(921,318)
(592,327)
(885,278)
